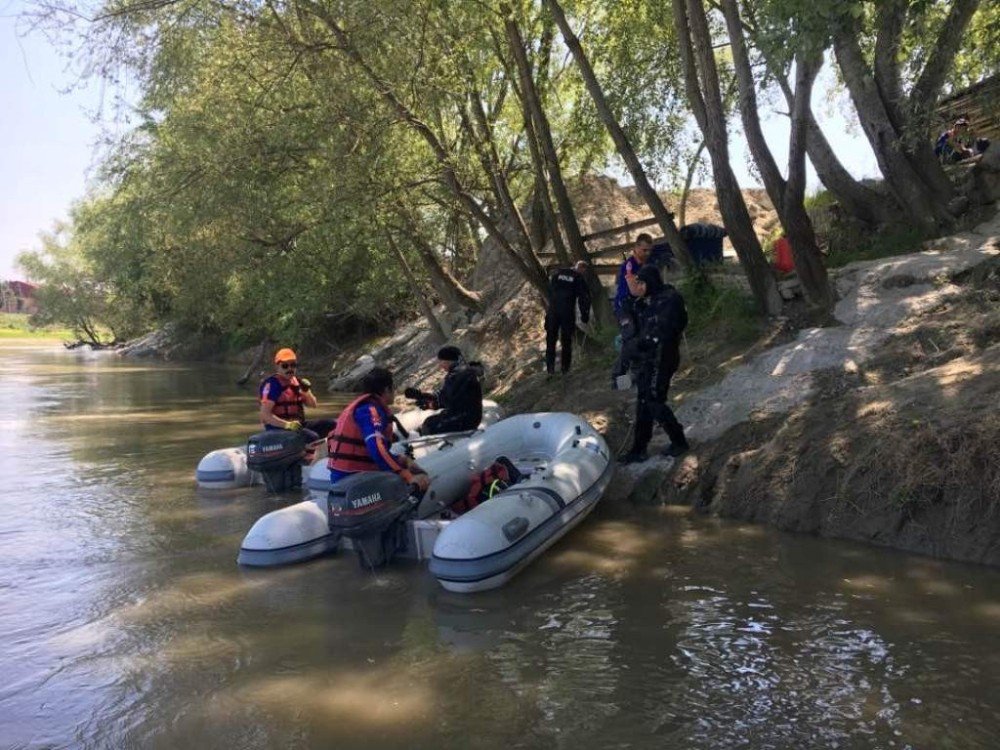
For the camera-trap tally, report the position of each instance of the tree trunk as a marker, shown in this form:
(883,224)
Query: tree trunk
(490,161)
(437,332)
(449,176)
(788,200)
(706,102)
(257,361)
(452,292)
(798,226)
(914,195)
(567,215)
(692,168)
(663,217)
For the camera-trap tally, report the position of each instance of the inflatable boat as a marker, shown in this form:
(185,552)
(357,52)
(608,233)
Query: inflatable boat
(561,467)
(228,468)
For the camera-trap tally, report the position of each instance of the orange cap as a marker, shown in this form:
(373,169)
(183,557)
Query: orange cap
(284,355)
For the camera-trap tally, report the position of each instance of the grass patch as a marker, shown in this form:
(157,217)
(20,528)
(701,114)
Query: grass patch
(720,311)
(853,246)
(18,326)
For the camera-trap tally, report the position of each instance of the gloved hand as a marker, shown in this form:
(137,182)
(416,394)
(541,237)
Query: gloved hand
(305,385)
(293,425)
(411,392)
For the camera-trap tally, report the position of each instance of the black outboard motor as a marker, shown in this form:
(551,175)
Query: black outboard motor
(371,508)
(277,455)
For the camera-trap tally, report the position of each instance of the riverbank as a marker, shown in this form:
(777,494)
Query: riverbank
(862,426)
(867,428)
(17,326)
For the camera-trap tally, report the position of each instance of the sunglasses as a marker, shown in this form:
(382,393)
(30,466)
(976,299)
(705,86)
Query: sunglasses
(288,365)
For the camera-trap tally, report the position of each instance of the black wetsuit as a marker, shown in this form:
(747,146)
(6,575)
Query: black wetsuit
(567,290)
(461,401)
(661,319)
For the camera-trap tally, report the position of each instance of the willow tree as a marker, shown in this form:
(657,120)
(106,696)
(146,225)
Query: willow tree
(787,196)
(664,218)
(705,98)
(895,99)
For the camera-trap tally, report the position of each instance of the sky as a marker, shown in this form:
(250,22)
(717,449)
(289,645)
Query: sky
(47,138)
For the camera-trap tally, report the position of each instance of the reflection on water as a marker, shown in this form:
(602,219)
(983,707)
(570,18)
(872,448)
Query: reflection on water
(125,621)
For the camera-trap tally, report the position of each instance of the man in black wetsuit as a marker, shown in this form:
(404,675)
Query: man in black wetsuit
(655,357)
(460,397)
(567,291)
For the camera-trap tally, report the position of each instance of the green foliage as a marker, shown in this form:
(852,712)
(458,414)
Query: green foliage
(70,294)
(720,311)
(849,244)
(20,326)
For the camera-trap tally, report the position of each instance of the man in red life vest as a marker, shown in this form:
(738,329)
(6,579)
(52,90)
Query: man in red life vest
(284,398)
(363,435)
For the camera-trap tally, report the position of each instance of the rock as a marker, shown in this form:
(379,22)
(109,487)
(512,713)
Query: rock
(958,205)
(986,176)
(350,380)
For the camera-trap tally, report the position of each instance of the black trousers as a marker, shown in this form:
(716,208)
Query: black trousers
(314,429)
(653,384)
(627,333)
(559,327)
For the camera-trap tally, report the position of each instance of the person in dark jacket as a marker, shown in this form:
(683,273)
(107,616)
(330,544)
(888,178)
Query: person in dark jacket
(460,397)
(654,358)
(567,291)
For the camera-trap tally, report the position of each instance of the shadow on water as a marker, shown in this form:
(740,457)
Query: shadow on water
(127,623)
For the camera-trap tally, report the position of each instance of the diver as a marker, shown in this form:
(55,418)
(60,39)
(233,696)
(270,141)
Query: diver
(460,397)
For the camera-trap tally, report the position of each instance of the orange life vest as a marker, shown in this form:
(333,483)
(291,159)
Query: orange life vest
(290,404)
(346,445)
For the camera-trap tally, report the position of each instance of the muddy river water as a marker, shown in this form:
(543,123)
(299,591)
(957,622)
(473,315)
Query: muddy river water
(125,621)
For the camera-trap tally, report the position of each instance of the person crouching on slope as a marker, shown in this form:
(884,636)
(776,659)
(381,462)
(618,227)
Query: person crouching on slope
(460,397)
(364,434)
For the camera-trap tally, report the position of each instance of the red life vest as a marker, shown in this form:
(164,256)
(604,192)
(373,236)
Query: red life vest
(346,445)
(290,404)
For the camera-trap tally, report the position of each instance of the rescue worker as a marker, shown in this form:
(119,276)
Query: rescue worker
(661,318)
(364,435)
(284,397)
(624,303)
(567,291)
(625,284)
(460,397)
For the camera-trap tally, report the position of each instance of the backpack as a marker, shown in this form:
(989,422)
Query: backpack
(493,480)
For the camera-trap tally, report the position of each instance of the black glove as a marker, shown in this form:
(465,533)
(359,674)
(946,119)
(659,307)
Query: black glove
(305,385)
(412,392)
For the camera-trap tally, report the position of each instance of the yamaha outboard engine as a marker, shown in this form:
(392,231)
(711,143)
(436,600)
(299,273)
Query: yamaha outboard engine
(277,455)
(371,508)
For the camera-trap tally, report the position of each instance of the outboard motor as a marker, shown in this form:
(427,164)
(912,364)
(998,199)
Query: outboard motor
(277,455)
(371,508)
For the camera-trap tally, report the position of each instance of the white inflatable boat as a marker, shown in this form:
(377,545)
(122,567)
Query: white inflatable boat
(227,469)
(564,465)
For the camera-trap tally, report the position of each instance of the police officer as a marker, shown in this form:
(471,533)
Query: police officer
(460,397)
(567,291)
(661,318)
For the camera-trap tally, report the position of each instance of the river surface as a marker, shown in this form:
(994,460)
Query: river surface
(125,621)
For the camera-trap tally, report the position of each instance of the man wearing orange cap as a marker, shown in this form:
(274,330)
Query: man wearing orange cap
(284,398)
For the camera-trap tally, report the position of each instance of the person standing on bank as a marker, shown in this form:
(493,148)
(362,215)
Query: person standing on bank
(284,397)
(661,317)
(625,284)
(364,435)
(460,397)
(567,291)
(624,303)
